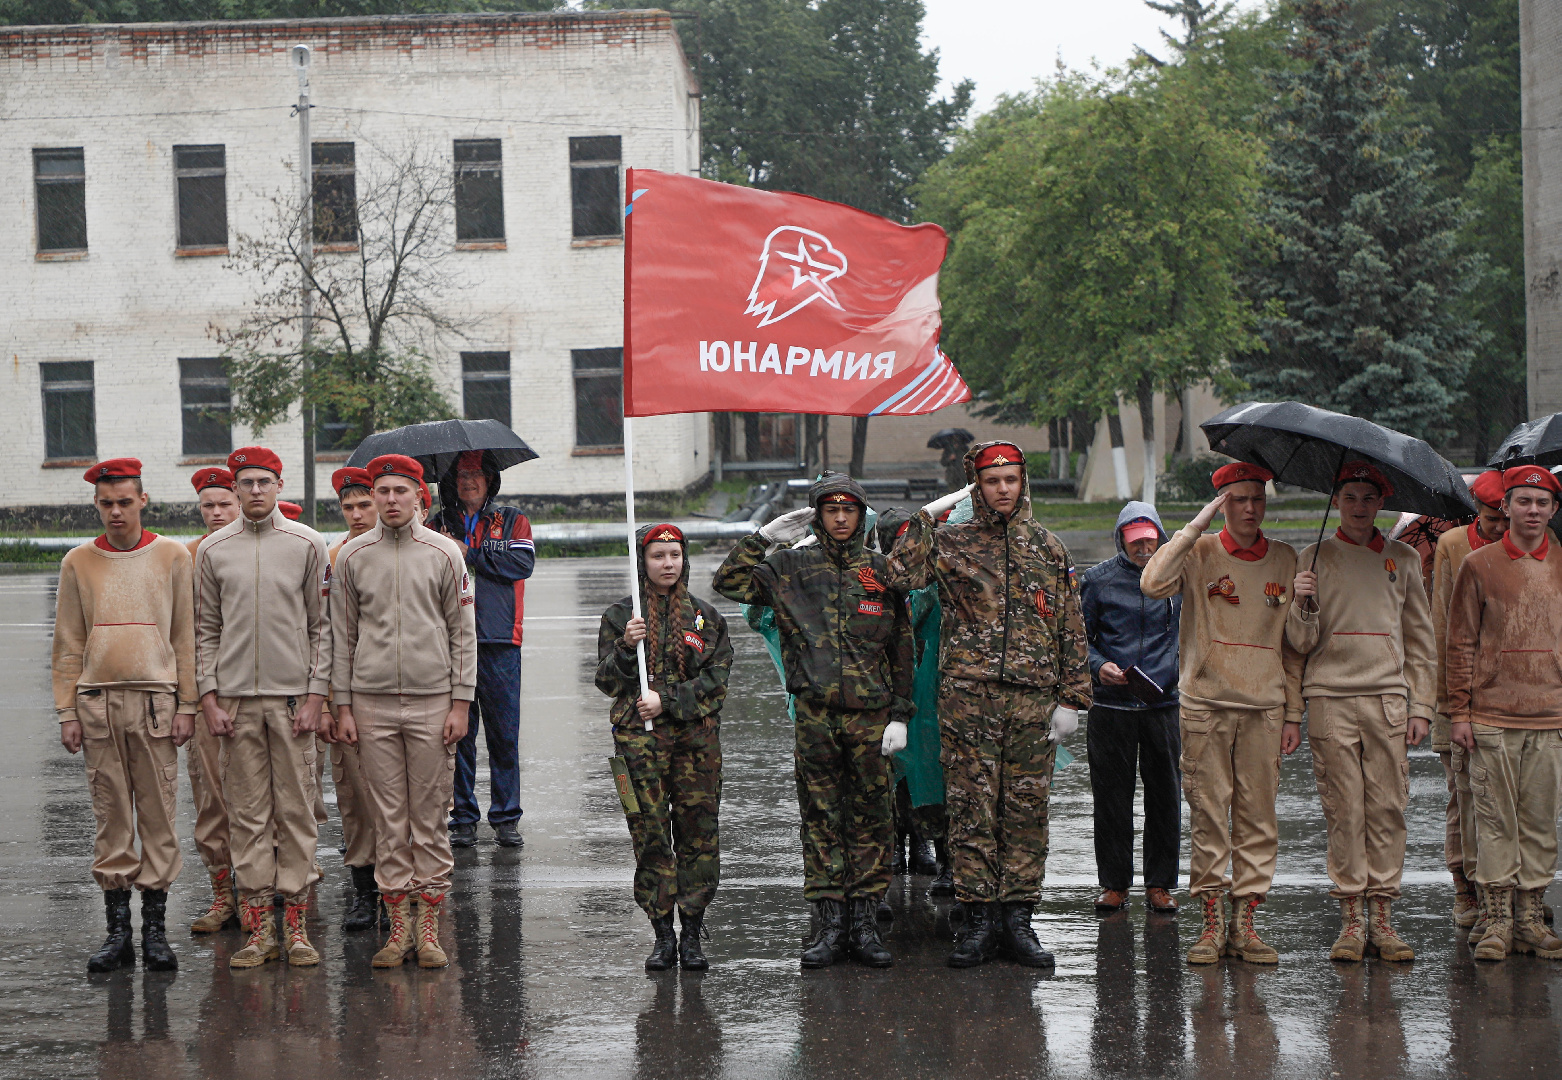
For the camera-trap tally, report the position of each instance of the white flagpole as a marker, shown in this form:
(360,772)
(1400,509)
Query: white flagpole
(634,560)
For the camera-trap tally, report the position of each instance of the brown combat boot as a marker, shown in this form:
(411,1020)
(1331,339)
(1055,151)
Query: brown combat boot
(1352,942)
(430,955)
(224,912)
(255,914)
(1482,915)
(1530,933)
(1466,906)
(1381,938)
(1241,939)
(299,952)
(1497,942)
(1212,939)
(399,907)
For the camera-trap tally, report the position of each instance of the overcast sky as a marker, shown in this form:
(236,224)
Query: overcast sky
(1005,44)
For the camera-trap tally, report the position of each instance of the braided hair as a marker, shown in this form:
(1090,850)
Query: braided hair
(674,602)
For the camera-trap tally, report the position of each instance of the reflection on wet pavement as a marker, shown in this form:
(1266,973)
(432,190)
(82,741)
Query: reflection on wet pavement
(546,943)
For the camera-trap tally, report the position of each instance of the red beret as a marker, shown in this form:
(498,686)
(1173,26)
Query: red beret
(1487,487)
(396,465)
(1239,471)
(840,497)
(428,500)
(1530,476)
(214,476)
(291,511)
(348,477)
(1000,454)
(470,461)
(662,534)
(254,457)
(1364,472)
(120,468)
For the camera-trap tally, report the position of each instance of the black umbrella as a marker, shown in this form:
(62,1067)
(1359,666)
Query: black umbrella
(437,444)
(1534,442)
(951,438)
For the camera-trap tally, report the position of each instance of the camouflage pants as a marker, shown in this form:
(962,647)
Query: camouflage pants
(843,792)
(997,783)
(676,769)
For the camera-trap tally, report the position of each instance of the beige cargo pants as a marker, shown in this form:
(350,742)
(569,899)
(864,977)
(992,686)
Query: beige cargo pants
(409,776)
(1363,775)
(268,781)
(1468,835)
(352,804)
(1515,776)
(133,773)
(1230,774)
(211,812)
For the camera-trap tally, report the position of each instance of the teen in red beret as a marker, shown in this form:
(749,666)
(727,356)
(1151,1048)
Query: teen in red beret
(254,457)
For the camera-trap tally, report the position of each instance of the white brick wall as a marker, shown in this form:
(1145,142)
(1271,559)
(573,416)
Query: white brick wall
(128,94)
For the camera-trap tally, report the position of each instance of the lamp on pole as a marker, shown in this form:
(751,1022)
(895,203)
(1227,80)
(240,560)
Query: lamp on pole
(306,256)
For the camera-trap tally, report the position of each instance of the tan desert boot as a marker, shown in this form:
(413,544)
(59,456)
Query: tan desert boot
(1466,907)
(1212,938)
(224,912)
(1497,942)
(1241,939)
(1482,914)
(430,955)
(1381,937)
(398,906)
(1352,942)
(299,952)
(256,916)
(1530,932)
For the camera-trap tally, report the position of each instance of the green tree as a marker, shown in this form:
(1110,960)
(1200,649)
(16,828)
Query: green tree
(1497,389)
(1360,310)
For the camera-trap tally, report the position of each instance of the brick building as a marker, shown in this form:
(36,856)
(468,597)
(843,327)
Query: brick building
(134,156)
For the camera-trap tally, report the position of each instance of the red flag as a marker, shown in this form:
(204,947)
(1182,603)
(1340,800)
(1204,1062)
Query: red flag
(739,300)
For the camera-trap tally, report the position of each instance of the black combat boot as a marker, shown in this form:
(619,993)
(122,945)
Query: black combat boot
(1019,940)
(664,954)
(898,858)
(365,911)
(980,937)
(119,948)
(924,860)
(829,943)
(689,954)
(944,881)
(866,948)
(155,953)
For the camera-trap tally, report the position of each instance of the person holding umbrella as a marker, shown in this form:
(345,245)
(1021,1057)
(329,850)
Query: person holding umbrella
(1362,620)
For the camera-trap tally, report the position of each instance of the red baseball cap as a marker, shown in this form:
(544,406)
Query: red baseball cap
(120,468)
(1239,471)
(349,476)
(1140,529)
(291,511)
(254,457)
(215,476)
(999,454)
(663,534)
(1530,476)
(1487,487)
(396,465)
(1364,472)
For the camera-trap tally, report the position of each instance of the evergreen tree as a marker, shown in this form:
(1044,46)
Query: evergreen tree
(1360,308)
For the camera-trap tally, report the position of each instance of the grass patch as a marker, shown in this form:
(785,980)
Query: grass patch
(28,554)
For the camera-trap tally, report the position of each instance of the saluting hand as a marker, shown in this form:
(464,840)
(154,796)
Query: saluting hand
(1202,519)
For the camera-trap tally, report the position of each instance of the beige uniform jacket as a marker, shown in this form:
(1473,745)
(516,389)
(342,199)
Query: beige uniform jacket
(1504,652)
(263,624)
(1372,633)
(1232,643)
(403,614)
(124,619)
(1453,547)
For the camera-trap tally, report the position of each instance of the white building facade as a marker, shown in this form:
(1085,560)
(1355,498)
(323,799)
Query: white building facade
(134,157)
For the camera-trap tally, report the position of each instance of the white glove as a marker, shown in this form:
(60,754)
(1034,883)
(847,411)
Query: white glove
(894,738)
(788,526)
(808,541)
(1064,722)
(947,502)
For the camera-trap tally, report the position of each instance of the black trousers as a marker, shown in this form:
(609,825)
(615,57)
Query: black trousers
(1120,743)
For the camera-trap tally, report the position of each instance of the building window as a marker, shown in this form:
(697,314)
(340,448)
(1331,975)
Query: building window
(597,206)
(479,190)
(330,430)
(599,397)
(334,193)
(485,385)
(69,419)
(60,178)
(204,401)
(202,175)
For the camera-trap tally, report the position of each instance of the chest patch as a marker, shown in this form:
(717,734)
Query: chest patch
(694,641)
(1224,589)
(870,607)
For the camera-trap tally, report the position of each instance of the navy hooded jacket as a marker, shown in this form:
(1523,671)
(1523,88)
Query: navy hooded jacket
(500,554)
(1124,626)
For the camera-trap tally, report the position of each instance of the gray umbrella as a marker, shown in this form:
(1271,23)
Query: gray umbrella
(438,444)
(1534,442)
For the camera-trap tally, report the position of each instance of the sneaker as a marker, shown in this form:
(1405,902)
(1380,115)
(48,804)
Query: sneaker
(463,836)
(507,835)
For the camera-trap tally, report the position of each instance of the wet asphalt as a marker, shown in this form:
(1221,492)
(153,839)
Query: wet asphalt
(546,943)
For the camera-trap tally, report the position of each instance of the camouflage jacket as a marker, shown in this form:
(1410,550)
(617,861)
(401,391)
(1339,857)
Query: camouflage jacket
(1008,593)
(845,638)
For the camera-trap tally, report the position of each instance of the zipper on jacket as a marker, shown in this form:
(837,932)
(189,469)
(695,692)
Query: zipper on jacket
(397,549)
(255,531)
(1003,654)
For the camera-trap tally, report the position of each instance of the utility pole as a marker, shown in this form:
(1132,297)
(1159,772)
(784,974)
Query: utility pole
(306,257)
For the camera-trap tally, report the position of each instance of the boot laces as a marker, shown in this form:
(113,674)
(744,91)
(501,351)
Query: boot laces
(294,917)
(1245,918)
(1353,919)
(397,908)
(255,921)
(1211,917)
(1380,921)
(428,931)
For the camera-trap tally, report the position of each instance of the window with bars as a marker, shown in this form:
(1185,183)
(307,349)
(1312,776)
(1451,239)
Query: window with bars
(330,430)
(201,173)
(334,193)
(479,190)
(485,386)
(69,416)
(205,402)
(60,181)
(599,397)
(596,204)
